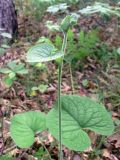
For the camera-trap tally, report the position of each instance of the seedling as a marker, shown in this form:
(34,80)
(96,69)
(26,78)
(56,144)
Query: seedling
(71,115)
(13,69)
(41,88)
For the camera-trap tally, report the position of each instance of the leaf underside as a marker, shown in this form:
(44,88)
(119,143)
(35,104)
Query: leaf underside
(25,125)
(79,113)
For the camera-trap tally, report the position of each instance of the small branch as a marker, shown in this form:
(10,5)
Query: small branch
(50,158)
(9,149)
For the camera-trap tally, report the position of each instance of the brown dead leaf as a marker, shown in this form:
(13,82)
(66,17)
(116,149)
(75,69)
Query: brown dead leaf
(106,153)
(76,157)
(115,139)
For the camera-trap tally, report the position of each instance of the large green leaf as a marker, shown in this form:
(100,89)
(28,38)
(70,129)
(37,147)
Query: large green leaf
(79,113)
(43,53)
(25,125)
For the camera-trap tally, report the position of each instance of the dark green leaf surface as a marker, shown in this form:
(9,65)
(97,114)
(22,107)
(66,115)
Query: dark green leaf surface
(42,53)
(79,113)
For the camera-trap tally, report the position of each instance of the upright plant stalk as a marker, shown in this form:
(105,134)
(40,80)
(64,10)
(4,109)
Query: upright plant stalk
(71,77)
(59,94)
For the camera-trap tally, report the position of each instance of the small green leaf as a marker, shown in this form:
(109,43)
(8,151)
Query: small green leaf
(34,88)
(14,66)
(43,40)
(52,26)
(67,22)
(40,153)
(5,70)
(12,75)
(43,53)
(85,83)
(8,81)
(42,88)
(118,51)
(55,8)
(22,71)
(79,113)
(25,125)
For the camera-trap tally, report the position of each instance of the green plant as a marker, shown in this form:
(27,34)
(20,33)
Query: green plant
(55,8)
(40,153)
(103,8)
(41,88)
(12,70)
(79,46)
(71,116)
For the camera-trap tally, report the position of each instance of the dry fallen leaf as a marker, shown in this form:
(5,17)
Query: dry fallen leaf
(76,157)
(115,139)
(106,153)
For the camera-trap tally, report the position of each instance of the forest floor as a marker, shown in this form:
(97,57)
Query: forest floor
(98,79)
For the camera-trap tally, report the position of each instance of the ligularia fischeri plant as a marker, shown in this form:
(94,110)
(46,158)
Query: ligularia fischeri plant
(71,115)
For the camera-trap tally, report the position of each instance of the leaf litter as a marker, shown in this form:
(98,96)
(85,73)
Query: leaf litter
(15,99)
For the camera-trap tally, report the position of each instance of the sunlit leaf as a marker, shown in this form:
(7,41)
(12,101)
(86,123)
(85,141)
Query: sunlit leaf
(25,125)
(43,53)
(5,70)
(103,8)
(56,8)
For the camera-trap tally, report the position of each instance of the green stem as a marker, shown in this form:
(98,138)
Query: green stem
(101,142)
(50,158)
(59,95)
(71,77)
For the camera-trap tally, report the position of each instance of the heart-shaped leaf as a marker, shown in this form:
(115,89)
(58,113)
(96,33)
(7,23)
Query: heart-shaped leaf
(25,125)
(79,113)
(42,53)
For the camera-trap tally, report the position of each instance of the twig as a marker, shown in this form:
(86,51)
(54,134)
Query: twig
(50,158)
(9,149)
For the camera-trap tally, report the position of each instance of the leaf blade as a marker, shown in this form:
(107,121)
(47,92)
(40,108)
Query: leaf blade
(23,127)
(79,113)
(43,53)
